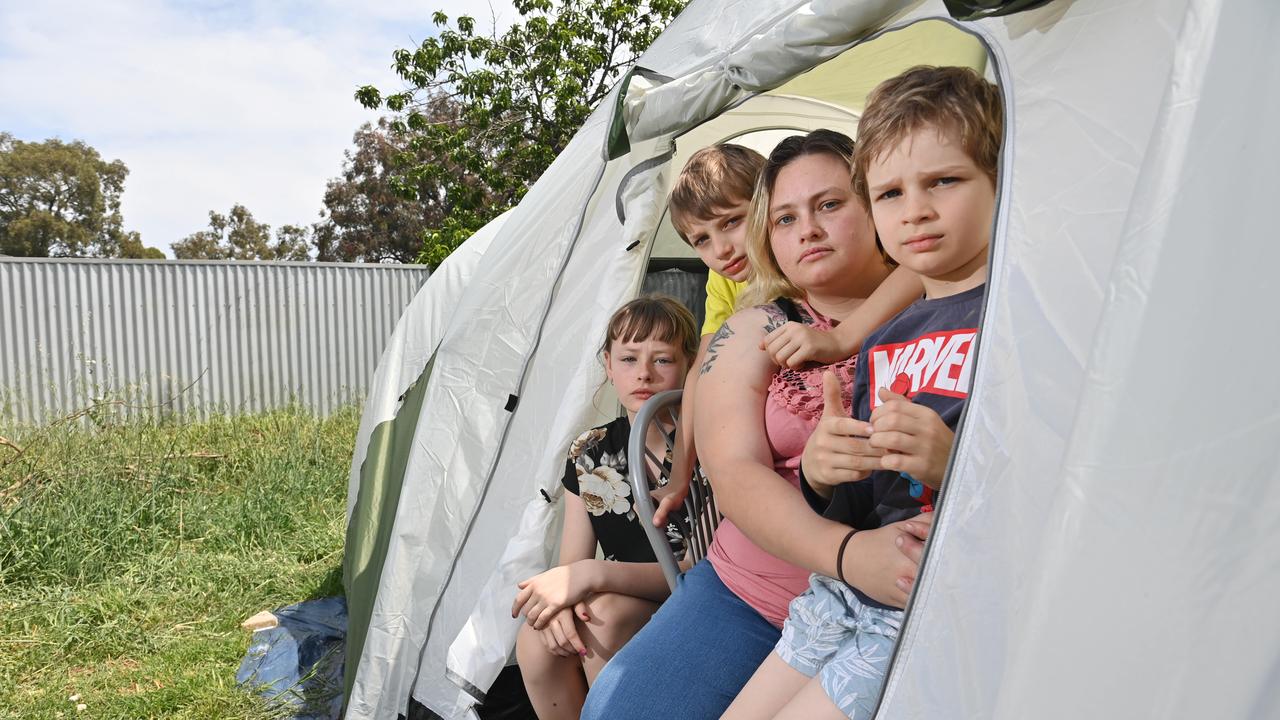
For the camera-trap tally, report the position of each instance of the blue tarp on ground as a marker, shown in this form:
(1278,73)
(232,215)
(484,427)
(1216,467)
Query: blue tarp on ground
(299,663)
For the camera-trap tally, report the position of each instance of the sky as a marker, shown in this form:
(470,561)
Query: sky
(209,102)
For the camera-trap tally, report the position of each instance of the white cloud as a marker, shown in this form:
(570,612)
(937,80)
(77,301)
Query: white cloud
(209,103)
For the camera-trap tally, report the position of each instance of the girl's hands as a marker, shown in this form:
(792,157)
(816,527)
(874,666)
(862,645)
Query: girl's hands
(560,636)
(543,596)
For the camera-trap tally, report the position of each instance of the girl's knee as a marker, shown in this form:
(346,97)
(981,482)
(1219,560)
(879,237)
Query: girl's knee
(613,618)
(526,640)
(531,654)
(603,605)
(617,608)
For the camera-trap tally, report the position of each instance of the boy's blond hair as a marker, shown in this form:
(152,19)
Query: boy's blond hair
(715,178)
(951,99)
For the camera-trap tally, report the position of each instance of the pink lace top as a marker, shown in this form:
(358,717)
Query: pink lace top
(792,409)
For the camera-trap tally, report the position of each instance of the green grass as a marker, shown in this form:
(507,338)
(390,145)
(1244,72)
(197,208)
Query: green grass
(130,552)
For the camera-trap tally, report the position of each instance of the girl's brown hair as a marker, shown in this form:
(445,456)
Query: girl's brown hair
(661,317)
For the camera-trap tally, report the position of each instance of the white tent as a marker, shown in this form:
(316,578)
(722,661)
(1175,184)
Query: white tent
(1103,549)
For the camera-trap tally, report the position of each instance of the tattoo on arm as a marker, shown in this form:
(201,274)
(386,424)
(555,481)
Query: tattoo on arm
(774,317)
(713,348)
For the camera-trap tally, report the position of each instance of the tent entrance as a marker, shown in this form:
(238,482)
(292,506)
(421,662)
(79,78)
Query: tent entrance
(830,95)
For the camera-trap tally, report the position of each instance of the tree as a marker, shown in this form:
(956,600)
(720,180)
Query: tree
(370,214)
(131,247)
(515,100)
(62,200)
(238,236)
(292,243)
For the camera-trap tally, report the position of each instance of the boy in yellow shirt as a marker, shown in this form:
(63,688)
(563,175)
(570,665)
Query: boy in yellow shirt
(709,205)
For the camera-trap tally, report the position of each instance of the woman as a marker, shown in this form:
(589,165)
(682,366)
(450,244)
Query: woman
(811,243)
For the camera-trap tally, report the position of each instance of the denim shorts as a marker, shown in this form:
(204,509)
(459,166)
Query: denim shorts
(689,661)
(832,634)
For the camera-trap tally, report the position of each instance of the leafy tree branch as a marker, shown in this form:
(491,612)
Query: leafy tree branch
(485,114)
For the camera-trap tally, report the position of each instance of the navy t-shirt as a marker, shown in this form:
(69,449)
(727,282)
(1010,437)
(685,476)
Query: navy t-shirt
(925,353)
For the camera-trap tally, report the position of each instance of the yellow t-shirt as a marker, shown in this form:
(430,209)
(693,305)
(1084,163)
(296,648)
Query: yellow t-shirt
(722,293)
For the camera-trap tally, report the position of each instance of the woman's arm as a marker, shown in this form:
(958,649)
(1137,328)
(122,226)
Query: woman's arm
(734,450)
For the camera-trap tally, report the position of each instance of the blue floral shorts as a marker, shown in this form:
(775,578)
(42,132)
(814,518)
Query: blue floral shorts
(830,632)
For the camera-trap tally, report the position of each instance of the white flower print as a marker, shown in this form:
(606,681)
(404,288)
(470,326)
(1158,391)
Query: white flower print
(617,461)
(585,440)
(603,490)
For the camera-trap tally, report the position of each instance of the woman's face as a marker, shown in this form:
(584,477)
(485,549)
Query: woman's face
(820,233)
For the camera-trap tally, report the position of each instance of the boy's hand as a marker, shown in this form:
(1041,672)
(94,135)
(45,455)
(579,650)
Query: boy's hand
(795,344)
(560,636)
(914,438)
(544,595)
(838,451)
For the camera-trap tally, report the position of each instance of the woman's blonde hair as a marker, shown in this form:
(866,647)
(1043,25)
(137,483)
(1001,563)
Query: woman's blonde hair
(767,281)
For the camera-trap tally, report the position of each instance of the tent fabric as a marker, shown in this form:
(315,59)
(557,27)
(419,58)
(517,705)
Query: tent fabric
(412,343)
(478,365)
(1108,488)
(1111,490)
(846,79)
(978,9)
(371,525)
(387,427)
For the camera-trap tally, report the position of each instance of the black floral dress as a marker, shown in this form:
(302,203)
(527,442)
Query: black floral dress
(596,472)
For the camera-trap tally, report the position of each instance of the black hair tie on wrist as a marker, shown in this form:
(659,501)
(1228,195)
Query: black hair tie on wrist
(840,556)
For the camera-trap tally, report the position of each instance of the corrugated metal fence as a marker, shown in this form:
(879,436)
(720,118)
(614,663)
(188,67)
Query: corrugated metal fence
(192,338)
